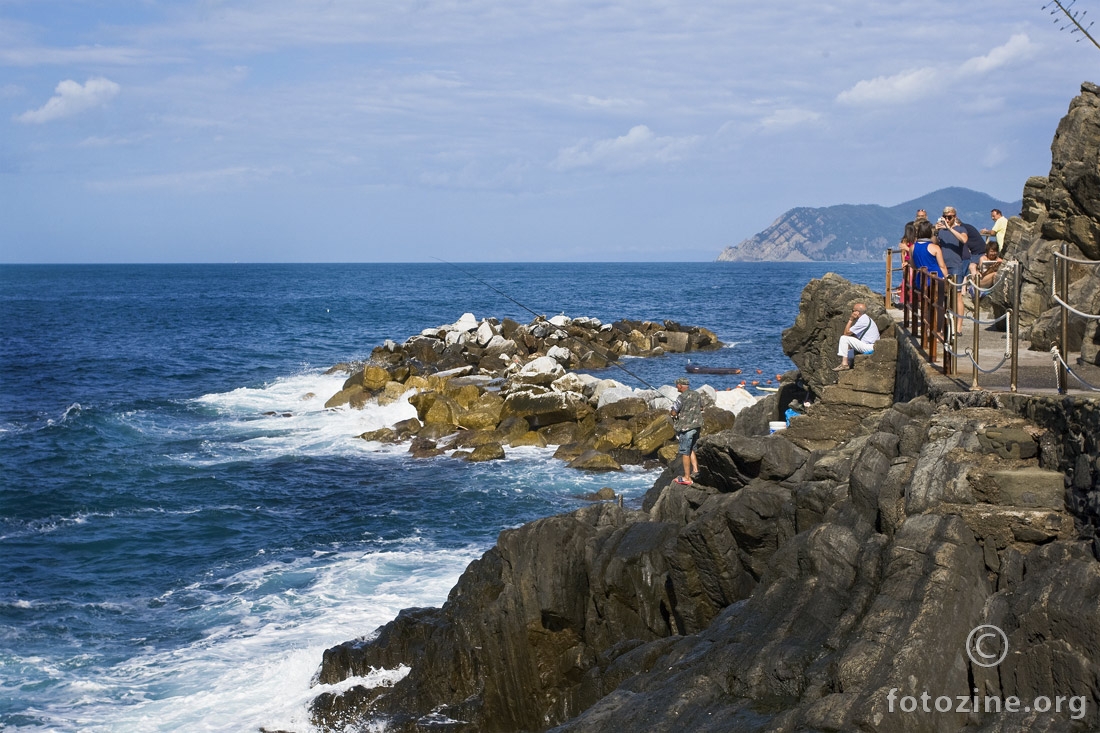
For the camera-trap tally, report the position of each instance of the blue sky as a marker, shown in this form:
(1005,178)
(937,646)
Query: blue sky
(347,131)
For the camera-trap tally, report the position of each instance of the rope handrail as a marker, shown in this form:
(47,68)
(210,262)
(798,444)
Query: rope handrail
(1057,358)
(1054,289)
(1067,258)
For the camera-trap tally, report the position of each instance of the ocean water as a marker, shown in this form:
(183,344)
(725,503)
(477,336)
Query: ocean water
(184,529)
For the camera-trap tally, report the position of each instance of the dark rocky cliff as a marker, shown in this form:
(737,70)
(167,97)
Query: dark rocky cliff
(1063,208)
(806,576)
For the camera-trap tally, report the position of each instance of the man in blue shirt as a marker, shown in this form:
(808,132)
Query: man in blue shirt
(951,235)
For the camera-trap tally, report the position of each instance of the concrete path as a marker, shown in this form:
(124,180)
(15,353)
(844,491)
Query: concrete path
(1036,370)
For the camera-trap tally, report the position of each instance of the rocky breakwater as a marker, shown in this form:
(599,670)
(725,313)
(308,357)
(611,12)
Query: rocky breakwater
(1062,208)
(480,387)
(826,577)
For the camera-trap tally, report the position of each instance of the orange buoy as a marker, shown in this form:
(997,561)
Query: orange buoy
(759,371)
(754,383)
(779,377)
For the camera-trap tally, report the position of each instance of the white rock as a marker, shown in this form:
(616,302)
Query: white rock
(660,402)
(542,365)
(734,400)
(456,337)
(708,393)
(485,333)
(568,382)
(434,332)
(561,320)
(598,388)
(670,392)
(466,323)
(495,342)
(389,345)
(560,354)
(611,395)
(456,372)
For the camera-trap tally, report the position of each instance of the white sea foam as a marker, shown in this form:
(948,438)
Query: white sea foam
(255,669)
(288,417)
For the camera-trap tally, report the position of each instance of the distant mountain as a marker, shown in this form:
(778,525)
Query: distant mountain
(856,232)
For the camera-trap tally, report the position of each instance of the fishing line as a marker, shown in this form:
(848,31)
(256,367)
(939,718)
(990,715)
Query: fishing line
(613,361)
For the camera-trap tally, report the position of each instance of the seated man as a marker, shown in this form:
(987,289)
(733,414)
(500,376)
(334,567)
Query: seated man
(860,335)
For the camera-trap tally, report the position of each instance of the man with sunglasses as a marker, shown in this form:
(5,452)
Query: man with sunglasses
(951,236)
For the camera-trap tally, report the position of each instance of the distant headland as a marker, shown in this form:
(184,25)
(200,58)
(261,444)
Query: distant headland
(855,232)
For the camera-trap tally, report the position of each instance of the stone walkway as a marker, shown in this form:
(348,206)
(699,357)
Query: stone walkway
(1035,374)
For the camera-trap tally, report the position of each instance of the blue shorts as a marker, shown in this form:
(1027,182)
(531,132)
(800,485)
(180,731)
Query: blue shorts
(688,439)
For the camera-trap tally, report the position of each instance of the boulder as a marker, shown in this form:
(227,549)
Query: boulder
(375,378)
(486,452)
(734,400)
(658,432)
(621,408)
(611,394)
(546,409)
(612,434)
(826,304)
(595,460)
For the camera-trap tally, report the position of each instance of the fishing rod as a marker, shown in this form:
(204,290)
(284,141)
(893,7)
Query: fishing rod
(613,361)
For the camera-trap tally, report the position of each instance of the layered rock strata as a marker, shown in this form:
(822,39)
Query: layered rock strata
(807,582)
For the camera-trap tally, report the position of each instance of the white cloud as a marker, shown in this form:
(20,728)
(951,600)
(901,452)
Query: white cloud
(193,180)
(907,86)
(71,98)
(903,87)
(636,148)
(1017,47)
(783,119)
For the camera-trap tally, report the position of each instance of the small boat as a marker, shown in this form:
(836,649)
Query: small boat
(699,369)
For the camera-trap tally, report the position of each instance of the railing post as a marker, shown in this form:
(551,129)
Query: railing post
(977,317)
(933,327)
(951,294)
(1015,328)
(1063,293)
(889,298)
(906,294)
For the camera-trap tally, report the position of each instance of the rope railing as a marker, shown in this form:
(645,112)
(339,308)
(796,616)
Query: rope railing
(1059,292)
(1060,363)
(928,314)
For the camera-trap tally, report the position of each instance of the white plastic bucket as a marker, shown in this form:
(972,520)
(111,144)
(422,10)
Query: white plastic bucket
(776,425)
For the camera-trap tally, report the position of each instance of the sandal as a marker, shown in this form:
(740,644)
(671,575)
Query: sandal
(680,481)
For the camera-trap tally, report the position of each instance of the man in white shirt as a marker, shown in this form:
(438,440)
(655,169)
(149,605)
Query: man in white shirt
(1000,223)
(860,334)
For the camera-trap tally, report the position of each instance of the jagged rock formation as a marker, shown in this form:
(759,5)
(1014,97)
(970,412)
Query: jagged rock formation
(1063,207)
(809,581)
(854,233)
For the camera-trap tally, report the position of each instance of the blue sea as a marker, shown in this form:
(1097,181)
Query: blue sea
(184,529)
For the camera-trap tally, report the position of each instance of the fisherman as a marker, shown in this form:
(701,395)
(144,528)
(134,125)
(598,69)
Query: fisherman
(687,420)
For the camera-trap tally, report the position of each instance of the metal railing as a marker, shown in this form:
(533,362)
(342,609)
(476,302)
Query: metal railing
(927,302)
(1059,286)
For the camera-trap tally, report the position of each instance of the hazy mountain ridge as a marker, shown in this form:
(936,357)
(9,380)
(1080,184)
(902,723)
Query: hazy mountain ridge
(856,232)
